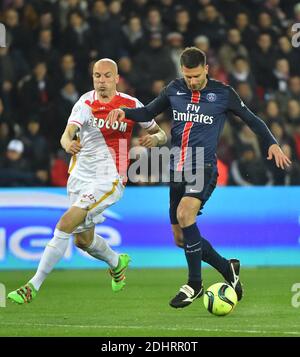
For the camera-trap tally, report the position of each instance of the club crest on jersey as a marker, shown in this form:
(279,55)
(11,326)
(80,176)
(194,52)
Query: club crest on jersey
(211,97)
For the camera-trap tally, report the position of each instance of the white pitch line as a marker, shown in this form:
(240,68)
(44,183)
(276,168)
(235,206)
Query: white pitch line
(114,327)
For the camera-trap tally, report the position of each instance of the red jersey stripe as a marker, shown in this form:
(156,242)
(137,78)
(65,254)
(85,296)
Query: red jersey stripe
(184,144)
(195,96)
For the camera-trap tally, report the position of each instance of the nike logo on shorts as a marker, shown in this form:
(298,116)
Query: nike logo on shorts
(192,190)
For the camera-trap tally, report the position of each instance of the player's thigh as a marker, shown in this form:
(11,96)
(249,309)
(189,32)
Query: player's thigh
(95,198)
(105,195)
(71,219)
(177,190)
(209,184)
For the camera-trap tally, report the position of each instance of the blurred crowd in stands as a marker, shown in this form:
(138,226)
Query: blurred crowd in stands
(52,46)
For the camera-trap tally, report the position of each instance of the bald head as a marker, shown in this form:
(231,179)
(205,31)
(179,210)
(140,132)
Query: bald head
(108,64)
(106,78)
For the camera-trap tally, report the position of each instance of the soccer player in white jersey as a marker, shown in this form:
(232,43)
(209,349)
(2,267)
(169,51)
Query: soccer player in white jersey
(97,176)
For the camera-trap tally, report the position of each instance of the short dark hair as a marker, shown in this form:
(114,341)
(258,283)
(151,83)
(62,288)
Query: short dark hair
(192,57)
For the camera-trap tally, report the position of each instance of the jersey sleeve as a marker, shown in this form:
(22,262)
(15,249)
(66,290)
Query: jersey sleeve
(147,124)
(79,114)
(238,107)
(151,110)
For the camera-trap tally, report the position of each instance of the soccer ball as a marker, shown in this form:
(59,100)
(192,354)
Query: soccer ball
(220,299)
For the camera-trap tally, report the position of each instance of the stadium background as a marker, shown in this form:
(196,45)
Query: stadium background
(46,66)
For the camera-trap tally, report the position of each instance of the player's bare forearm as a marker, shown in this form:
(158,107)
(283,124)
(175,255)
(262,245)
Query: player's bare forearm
(67,141)
(281,160)
(155,137)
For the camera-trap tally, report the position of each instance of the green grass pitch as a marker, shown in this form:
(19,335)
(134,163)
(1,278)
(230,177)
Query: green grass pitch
(81,303)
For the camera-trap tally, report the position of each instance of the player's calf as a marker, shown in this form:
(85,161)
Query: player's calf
(178,235)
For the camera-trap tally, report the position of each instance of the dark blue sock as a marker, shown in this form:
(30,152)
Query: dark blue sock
(214,259)
(193,254)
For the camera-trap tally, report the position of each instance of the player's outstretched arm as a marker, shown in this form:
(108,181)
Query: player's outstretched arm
(155,137)
(281,159)
(67,141)
(141,114)
(236,105)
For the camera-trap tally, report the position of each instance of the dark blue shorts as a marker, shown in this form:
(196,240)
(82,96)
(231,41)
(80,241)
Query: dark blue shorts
(178,190)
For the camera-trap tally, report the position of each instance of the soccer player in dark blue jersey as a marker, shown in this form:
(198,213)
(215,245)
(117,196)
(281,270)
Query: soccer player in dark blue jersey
(199,107)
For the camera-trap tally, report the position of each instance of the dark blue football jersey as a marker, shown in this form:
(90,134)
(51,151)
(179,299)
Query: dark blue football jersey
(198,117)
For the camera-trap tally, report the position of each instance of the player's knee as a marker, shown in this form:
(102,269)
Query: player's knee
(184,217)
(82,241)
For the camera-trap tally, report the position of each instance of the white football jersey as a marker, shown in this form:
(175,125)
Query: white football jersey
(104,153)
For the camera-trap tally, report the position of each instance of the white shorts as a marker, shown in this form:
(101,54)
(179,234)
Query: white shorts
(94,197)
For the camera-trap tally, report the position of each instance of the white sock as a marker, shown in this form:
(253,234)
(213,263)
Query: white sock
(53,253)
(99,249)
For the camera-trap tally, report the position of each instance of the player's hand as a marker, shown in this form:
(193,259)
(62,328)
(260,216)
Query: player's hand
(281,159)
(148,141)
(74,147)
(115,115)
